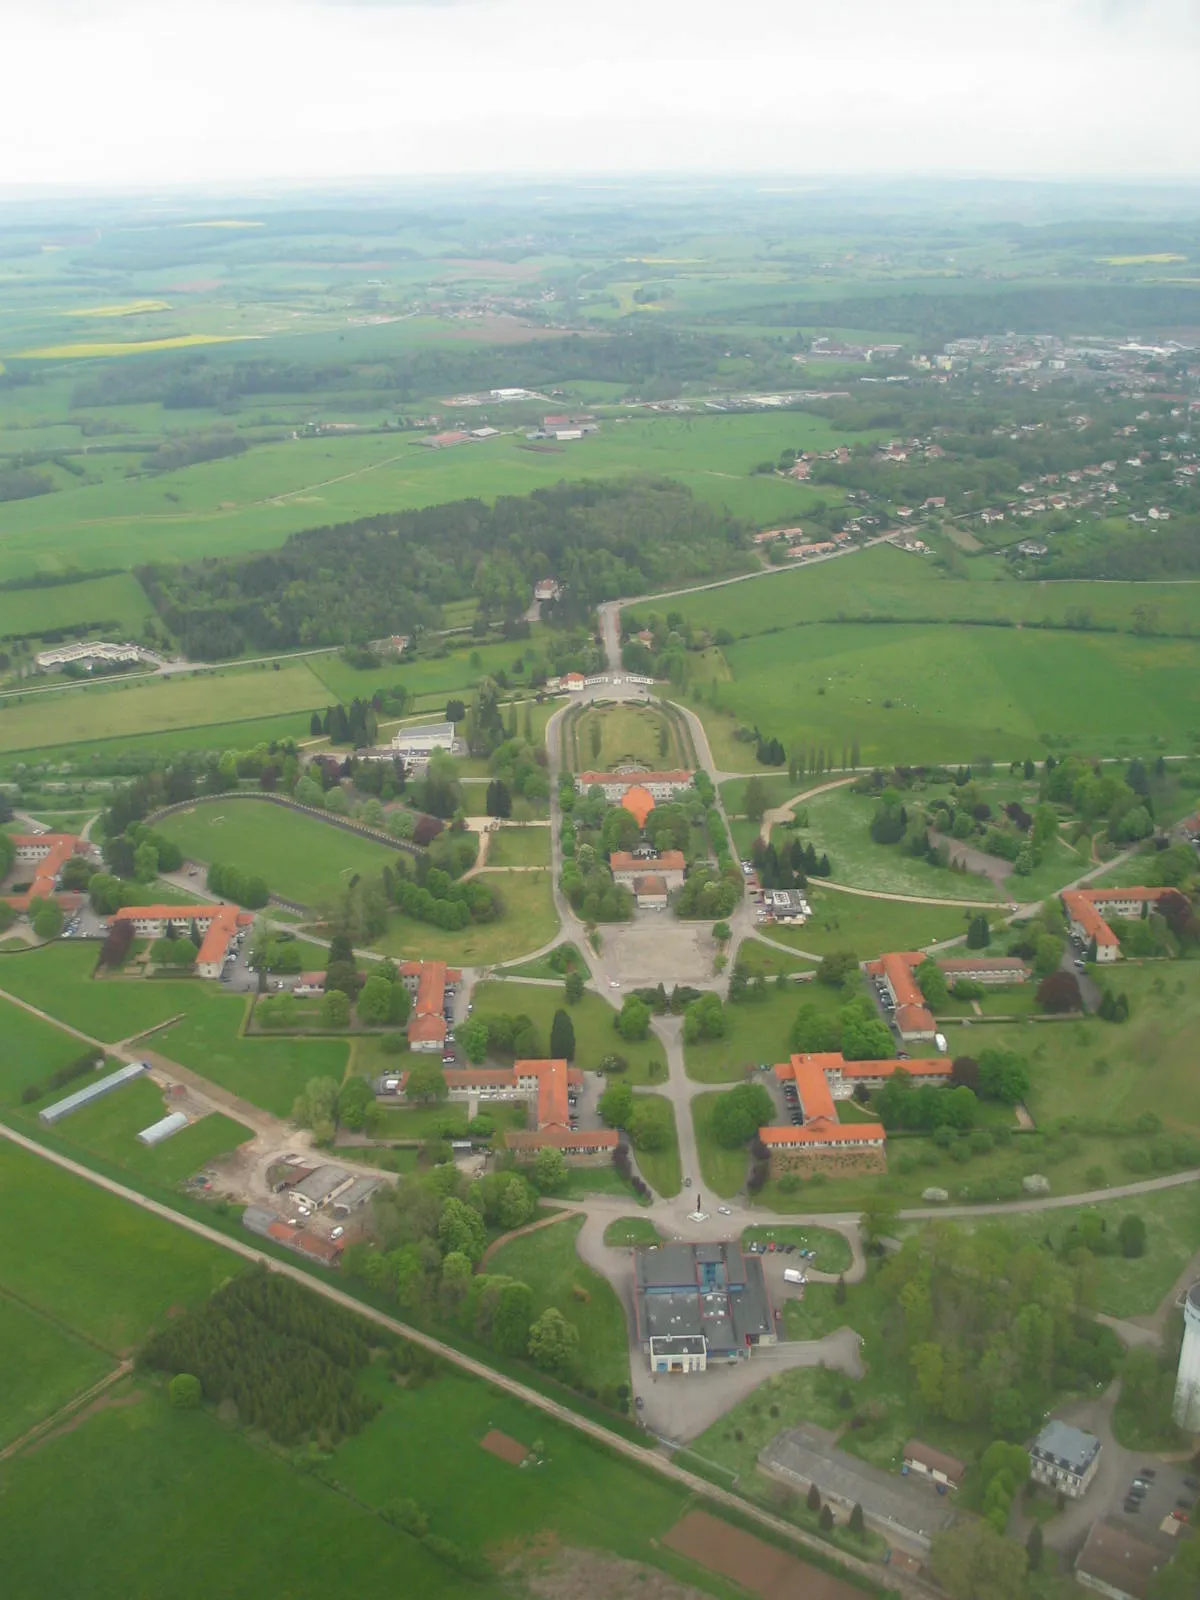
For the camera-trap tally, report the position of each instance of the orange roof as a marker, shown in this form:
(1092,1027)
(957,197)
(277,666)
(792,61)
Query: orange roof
(825,1130)
(1104,896)
(60,847)
(561,1138)
(639,802)
(222,922)
(650,884)
(912,1014)
(426,1029)
(821,1125)
(667,861)
(428,1022)
(1080,909)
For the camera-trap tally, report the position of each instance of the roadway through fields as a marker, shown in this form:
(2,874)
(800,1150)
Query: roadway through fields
(597,1432)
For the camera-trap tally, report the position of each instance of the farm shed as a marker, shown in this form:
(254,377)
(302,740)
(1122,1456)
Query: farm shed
(94,1091)
(163,1128)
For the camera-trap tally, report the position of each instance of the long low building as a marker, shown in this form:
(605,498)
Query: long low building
(1088,911)
(913,1019)
(216,924)
(658,785)
(96,1090)
(546,1086)
(419,743)
(986,969)
(822,1141)
(87,654)
(46,854)
(427,982)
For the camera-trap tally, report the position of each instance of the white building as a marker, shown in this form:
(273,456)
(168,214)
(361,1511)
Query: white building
(88,654)
(418,744)
(1187,1384)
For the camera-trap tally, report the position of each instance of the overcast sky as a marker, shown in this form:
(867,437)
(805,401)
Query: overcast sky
(121,92)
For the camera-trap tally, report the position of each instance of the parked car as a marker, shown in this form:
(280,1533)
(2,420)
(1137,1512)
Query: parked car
(726,1211)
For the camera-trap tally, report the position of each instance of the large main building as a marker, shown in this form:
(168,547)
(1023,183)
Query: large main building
(822,1141)
(1088,911)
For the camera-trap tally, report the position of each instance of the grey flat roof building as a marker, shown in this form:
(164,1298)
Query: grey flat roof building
(708,1291)
(1066,1447)
(95,1090)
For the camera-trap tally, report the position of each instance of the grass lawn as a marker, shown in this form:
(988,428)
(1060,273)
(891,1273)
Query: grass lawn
(33,1049)
(111,710)
(528,921)
(583,1181)
(762,960)
(119,599)
(46,1364)
(777,787)
(626,734)
(839,824)
(724,1171)
(543,966)
(757,1033)
(628,1231)
(105,1269)
(422,1122)
(1127,1288)
(58,979)
(301,857)
(548,1262)
(519,847)
(109,1128)
(832,1248)
(268,1072)
(139,1473)
(592,1018)
(661,1168)
(871,927)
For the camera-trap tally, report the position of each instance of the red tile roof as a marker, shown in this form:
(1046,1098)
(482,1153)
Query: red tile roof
(60,847)
(810,1075)
(650,884)
(223,921)
(912,1014)
(668,861)
(639,802)
(629,779)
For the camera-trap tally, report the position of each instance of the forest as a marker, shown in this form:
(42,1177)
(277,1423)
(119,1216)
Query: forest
(285,1358)
(365,579)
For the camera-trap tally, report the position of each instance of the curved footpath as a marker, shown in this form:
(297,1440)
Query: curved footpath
(615,1442)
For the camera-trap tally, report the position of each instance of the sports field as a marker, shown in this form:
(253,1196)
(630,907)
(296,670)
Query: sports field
(528,922)
(109,711)
(912,693)
(301,857)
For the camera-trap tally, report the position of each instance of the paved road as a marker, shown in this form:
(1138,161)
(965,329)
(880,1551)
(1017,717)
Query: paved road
(614,1442)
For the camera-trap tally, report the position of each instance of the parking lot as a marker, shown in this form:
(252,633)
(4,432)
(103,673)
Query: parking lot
(1154,1495)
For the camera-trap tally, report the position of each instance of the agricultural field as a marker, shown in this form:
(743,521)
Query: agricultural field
(33,1049)
(528,922)
(302,858)
(592,1018)
(53,1364)
(548,1262)
(117,603)
(112,711)
(911,693)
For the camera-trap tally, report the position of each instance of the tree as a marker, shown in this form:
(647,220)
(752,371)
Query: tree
(1033,1547)
(1180,1578)
(573,988)
(511,1319)
(826,1518)
(549,1170)
(185,1391)
(740,1113)
(562,1037)
(979,932)
(456,711)
(972,1561)
(877,1222)
(499,799)
(355,1101)
(1059,992)
(634,1019)
(856,1523)
(1003,1076)
(839,1292)
(553,1341)
(375,1001)
(755,802)
(1132,1236)
(616,1105)
(460,1228)
(426,1081)
(837,968)
(335,1009)
(46,917)
(932,984)
(472,1036)
(814,1498)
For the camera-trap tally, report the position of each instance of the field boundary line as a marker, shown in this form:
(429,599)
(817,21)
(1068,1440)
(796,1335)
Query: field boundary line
(57,1322)
(74,1404)
(596,1431)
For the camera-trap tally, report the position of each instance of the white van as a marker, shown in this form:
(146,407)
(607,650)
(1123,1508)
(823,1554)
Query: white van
(793,1275)
(939,1039)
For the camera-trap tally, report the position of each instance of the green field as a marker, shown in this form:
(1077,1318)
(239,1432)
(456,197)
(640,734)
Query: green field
(208,738)
(101,1267)
(46,1363)
(662,1169)
(723,1171)
(58,979)
(548,1262)
(592,1019)
(870,927)
(519,847)
(302,858)
(757,1032)
(832,1251)
(109,1129)
(606,737)
(118,600)
(113,711)
(33,1049)
(628,1231)
(763,960)
(528,922)
(912,693)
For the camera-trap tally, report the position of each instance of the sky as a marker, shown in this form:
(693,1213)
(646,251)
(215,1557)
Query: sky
(127,93)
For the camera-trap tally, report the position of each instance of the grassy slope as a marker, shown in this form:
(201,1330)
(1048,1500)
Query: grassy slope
(119,599)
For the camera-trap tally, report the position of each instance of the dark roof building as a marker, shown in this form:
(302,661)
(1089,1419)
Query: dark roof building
(709,1292)
(1115,1562)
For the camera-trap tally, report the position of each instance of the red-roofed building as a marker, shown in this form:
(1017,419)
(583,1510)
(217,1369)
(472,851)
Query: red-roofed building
(913,1018)
(1088,911)
(822,1140)
(650,892)
(639,802)
(427,982)
(47,854)
(546,1085)
(216,924)
(626,868)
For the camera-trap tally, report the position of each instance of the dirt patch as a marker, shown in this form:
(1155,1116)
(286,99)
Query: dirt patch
(504,1446)
(961,537)
(103,1403)
(550,1573)
(759,1567)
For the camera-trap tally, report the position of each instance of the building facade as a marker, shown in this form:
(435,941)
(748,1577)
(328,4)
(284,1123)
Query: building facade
(659,785)
(669,865)
(217,925)
(1186,1409)
(1064,1459)
(1088,911)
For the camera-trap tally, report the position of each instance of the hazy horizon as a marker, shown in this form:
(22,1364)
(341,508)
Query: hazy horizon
(121,94)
